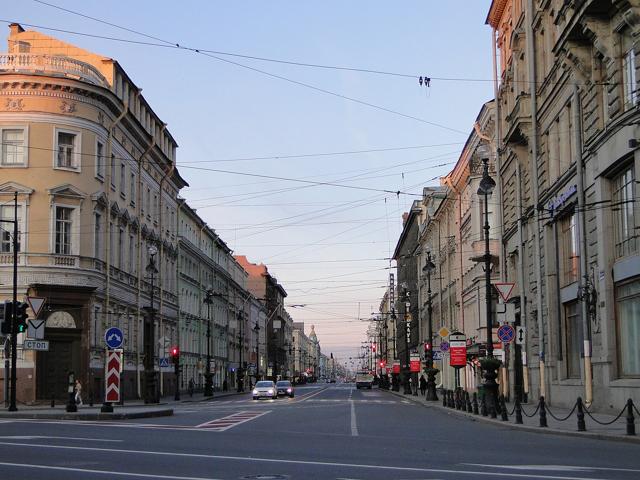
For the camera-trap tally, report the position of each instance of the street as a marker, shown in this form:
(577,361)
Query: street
(325,432)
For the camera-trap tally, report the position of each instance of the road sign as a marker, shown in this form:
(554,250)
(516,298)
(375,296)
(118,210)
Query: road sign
(112,377)
(36,304)
(396,366)
(444,346)
(443,332)
(457,349)
(35,329)
(113,337)
(438,355)
(506,333)
(506,313)
(504,289)
(414,364)
(521,335)
(163,362)
(41,345)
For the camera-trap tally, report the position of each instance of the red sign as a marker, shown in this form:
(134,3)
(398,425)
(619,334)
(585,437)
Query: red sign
(112,377)
(396,366)
(414,364)
(457,350)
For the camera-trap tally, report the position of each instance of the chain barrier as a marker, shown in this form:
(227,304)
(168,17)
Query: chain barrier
(534,412)
(513,409)
(605,423)
(565,418)
(635,408)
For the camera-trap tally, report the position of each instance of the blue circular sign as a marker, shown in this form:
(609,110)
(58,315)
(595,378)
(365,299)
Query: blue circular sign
(506,333)
(113,337)
(444,346)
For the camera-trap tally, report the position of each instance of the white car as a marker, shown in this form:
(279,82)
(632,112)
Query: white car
(265,389)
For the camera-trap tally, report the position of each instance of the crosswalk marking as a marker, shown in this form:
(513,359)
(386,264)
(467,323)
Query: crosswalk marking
(230,421)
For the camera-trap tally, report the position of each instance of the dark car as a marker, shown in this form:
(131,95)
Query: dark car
(284,387)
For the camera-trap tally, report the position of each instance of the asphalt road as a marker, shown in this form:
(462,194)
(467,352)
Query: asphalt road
(326,432)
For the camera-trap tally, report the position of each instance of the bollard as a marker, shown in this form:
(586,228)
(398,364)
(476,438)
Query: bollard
(457,402)
(503,409)
(581,425)
(518,411)
(53,400)
(452,402)
(483,406)
(475,403)
(468,402)
(444,397)
(71,390)
(498,405)
(631,426)
(543,413)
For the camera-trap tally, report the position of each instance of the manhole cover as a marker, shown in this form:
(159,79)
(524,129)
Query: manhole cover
(265,477)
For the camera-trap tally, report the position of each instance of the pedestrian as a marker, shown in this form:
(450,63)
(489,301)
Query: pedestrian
(78,393)
(224,385)
(411,384)
(423,385)
(191,387)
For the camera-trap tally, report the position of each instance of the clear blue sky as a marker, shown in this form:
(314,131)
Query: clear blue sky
(219,111)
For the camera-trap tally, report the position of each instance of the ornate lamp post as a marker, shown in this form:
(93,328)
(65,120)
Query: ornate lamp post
(257,330)
(241,346)
(208,377)
(490,364)
(148,334)
(394,376)
(428,268)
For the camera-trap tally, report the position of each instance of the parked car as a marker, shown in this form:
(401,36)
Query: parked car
(284,387)
(265,389)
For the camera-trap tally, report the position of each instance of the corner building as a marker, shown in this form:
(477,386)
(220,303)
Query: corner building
(94,170)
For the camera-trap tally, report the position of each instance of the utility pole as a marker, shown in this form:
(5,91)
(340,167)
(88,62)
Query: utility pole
(14,322)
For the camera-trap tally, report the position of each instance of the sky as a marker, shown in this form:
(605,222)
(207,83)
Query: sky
(239,122)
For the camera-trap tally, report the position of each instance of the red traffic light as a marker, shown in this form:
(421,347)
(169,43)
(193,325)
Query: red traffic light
(175,351)
(427,346)
(373,347)
(382,363)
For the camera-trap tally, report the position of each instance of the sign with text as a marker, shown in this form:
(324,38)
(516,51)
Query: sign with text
(396,366)
(41,345)
(414,363)
(457,350)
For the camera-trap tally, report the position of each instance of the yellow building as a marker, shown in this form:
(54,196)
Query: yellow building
(94,169)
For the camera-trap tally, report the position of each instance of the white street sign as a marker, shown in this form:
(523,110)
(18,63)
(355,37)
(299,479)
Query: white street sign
(506,313)
(35,329)
(36,304)
(42,345)
(521,335)
(504,289)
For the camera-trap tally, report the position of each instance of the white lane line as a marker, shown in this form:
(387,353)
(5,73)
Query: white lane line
(354,424)
(230,421)
(34,437)
(310,396)
(110,473)
(563,468)
(285,461)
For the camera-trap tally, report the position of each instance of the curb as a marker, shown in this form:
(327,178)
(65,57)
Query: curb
(88,416)
(526,428)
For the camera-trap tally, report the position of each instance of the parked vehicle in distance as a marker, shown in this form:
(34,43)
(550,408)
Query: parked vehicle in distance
(284,387)
(364,380)
(265,389)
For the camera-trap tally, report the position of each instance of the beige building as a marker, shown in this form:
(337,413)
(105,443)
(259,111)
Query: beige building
(94,169)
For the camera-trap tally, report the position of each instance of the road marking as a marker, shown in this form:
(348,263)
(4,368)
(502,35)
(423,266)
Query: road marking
(108,451)
(230,421)
(103,472)
(34,437)
(558,468)
(354,424)
(308,396)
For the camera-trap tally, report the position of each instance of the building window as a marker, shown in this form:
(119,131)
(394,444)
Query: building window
(97,236)
(64,223)
(573,339)
(628,328)
(13,147)
(569,245)
(629,80)
(112,180)
(133,264)
(6,229)
(132,188)
(123,181)
(624,213)
(121,248)
(67,150)
(100,160)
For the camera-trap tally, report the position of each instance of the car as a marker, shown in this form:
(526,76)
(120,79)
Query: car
(265,389)
(364,380)
(284,387)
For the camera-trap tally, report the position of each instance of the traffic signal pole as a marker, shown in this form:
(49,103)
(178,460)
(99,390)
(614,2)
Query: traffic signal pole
(14,322)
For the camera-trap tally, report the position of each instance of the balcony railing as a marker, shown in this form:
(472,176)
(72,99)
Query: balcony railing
(51,65)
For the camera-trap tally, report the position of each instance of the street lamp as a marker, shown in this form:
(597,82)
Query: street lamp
(394,376)
(241,346)
(149,326)
(429,268)
(257,330)
(208,380)
(487,185)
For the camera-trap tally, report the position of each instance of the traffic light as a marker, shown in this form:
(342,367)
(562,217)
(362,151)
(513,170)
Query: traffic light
(21,316)
(427,346)
(382,363)
(373,347)
(6,314)
(175,354)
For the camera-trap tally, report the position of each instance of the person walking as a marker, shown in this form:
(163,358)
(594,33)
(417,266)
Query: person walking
(423,385)
(78,393)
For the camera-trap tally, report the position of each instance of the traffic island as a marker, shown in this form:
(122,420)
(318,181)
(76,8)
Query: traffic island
(87,414)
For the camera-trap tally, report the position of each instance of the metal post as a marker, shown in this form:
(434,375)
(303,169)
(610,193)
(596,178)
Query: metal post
(543,413)
(208,380)
(14,322)
(431,372)
(240,379)
(631,426)
(150,395)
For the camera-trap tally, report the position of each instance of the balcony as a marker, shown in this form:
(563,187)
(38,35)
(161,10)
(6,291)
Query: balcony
(519,120)
(57,66)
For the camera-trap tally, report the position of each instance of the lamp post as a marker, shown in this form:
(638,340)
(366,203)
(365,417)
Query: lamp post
(208,380)
(487,185)
(241,346)
(257,330)
(149,327)
(428,268)
(394,376)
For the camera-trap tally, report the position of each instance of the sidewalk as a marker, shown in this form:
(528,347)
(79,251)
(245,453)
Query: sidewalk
(531,423)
